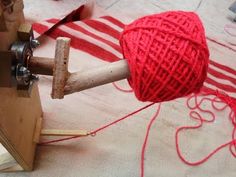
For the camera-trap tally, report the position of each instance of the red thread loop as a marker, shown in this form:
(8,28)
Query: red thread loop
(226,102)
(121,89)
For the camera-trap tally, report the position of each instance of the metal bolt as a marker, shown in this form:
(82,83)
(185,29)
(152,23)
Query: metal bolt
(22,75)
(34,77)
(34,43)
(23,71)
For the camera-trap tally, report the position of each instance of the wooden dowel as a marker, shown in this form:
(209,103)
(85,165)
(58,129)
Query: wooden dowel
(57,132)
(98,76)
(60,70)
(41,65)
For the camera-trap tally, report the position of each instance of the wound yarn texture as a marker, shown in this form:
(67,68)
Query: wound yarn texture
(167,55)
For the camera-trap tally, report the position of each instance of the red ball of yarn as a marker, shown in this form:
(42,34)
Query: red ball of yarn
(167,55)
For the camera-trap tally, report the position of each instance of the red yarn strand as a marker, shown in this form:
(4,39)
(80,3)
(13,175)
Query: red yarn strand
(219,98)
(99,129)
(121,89)
(146,138)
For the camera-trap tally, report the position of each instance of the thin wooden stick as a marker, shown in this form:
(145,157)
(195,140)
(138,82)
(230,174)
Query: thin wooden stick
(57,132)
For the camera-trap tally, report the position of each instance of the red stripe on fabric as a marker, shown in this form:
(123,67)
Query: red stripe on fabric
(85,46)
(223,67)
(73,16)
(221,75)
(205,89)
(43,29)
(114,21)
(39,28)
(103,28)
(53,20)
(224,87)
(81,29)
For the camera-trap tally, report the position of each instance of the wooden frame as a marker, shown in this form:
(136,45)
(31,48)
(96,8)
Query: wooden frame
(18,121)
(18,115)
(21,117)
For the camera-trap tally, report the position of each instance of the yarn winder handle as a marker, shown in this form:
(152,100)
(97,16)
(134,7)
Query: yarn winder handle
(64,82)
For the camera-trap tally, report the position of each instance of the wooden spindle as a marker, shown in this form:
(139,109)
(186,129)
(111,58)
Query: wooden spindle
(65,83)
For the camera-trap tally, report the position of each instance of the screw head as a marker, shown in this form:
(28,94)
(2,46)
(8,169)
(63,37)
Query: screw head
(34,43)
(22,75)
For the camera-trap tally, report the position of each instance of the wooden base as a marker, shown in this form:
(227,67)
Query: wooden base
(18,119)
(18,115)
